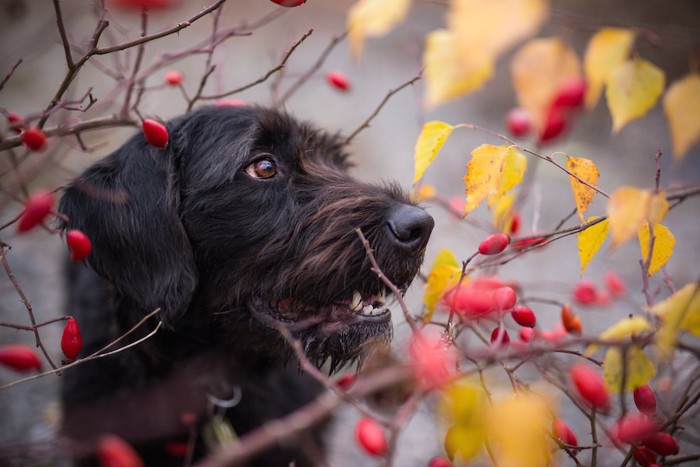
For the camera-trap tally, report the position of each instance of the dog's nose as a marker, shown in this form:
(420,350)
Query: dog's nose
(410,227)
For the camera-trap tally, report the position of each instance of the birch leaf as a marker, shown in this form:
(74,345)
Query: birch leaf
(373,18)
(431,138)
(444,273)
(629,207)
(484,174)
(664,241)
(633,89)
(607,49)
(587,171)
(590,241)
(637,366)
(682,108)
(680,312)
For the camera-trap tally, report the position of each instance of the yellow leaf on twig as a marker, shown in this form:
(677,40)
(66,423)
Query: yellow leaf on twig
(513,172)
(590,240)
(373,18)
(607,49)
(664,241)
(629,207)
(679,312)
(430,140)
(539,69)
(682,108)
(449,73)
(485,171)
(633,89)
(463,406)
(637,367)
(587,171)
(503,213)
(622,329)
(444,273)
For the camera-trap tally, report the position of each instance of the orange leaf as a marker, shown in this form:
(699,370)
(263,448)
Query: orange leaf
(586,170)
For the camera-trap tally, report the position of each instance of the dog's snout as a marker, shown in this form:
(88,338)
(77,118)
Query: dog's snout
(410,227)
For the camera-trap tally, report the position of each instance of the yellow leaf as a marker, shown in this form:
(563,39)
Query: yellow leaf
(464,441)
(624,328)
(518,431)
(586,170)
(539,69)
(484,174)
(503,213)
(629,207)
(664,241)
(638,368)
(373,18)
(479,24)
(463,406)
(449,73)
(608,48)
(633,89)
(444,273)
(682,108)
(513,172)
(430,140)
(679,312)
(590,240)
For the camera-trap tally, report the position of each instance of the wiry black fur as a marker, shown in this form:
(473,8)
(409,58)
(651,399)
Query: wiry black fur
(227,258)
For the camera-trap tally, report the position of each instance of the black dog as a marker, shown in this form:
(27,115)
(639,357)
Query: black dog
(245,222)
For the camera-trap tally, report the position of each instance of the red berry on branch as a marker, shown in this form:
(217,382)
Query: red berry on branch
(71,340)
(661,443)
(526,334)
(494,244)
(289,3)
(112,451)
(173,78)
(571,322)
(524,316)
(528,242)
(338,80)
(19,357)
(585,292)
(504,298)
(515,224)
(562,432)
(34,139)
(499,337)
(439,462)
(155,132)
(614,284)
(15,121)
(79,245)
(643,456)
(554,125)
(37,207)
(346,381)
(518,122)
(633,428)
(645,400)
(590,386)
(370,436)
(571,94)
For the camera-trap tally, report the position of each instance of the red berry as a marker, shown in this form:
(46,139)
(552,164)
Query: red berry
(590,386)
(79,244)
(645,400)
(346,381)
(526,334)
(173,78)
(571,94)
(230,103)
(433,364)
(15,121)
(148,4)
(562,431)
(34,139)
(554,125)
(585,292)
(499,337)
(633,428)
(504,298)
(515,224)
(571,322)
(614,284)
(112,451)
(176,448)
(494,244)
(370,436)
(661,443)
(155,132)
(289,3)
(524,316)
(19,357)
(519,122)
(71,340)
(480,298)
(338,80)
(439,462)
(528,242)
(38,206)
(643,456)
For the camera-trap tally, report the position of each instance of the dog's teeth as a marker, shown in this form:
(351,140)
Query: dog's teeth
(356,303)
(368,309)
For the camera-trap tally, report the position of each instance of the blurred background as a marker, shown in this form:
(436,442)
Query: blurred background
(29,412)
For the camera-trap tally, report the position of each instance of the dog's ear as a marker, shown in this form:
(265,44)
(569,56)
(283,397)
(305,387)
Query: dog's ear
(128,205)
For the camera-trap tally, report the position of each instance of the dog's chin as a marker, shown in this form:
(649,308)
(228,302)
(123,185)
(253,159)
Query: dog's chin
(340,332)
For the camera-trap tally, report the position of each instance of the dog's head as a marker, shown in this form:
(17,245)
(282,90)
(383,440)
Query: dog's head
(247,222)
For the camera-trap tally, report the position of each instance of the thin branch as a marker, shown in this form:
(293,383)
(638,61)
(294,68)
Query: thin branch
(62,32)
(10,73)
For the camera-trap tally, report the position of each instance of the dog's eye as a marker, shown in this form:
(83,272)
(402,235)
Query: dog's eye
(262,168)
